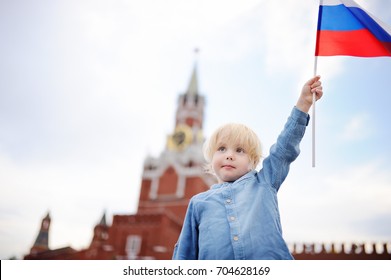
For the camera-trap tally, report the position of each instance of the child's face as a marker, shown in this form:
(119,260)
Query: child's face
(230,162)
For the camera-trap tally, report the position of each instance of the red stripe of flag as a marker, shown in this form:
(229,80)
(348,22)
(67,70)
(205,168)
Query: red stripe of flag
(353,43)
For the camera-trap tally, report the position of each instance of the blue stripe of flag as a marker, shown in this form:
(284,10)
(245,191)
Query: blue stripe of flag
(337,18)
(342,18)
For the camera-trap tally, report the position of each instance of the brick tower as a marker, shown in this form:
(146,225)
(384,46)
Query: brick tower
(169,181)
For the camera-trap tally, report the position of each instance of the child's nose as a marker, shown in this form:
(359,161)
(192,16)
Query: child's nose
(229,154)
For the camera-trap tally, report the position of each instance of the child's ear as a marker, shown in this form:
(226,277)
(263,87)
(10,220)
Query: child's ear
(253,165)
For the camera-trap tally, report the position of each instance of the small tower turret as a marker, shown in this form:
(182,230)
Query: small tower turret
(42,241)
(100,233)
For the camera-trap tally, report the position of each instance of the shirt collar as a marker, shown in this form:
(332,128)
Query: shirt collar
(244,177)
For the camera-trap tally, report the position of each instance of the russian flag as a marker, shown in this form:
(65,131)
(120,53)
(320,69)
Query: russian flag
(344,28)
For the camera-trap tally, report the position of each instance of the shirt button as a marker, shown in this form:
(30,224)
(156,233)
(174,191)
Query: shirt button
(232,218)
(236,238)
(228,201)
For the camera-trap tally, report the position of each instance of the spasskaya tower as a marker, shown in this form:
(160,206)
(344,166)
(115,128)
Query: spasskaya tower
(170,180)
(168,183)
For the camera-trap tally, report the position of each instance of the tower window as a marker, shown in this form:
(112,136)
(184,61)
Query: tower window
(150,167)
(133,246)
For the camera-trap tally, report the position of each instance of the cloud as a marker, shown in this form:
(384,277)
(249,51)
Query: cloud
(357,128)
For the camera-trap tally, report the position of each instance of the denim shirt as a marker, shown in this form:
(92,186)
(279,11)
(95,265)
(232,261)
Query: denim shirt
(240,220)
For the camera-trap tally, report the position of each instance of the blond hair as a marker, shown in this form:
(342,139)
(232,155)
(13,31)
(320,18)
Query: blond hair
(233,134)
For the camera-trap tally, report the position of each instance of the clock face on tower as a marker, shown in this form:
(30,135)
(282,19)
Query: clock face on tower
(181,137)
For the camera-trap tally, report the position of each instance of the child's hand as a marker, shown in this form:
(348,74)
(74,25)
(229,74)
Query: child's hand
(314,85)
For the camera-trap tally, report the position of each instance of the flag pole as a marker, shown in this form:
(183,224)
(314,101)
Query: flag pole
(313,114)
(314,93)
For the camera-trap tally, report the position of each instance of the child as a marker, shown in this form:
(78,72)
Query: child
(238,218)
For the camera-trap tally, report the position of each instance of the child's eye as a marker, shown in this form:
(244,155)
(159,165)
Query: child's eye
(221,149)
(240,150)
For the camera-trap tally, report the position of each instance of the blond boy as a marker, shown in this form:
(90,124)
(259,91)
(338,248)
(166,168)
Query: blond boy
(238,218)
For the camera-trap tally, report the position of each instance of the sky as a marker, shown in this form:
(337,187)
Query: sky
(88,90)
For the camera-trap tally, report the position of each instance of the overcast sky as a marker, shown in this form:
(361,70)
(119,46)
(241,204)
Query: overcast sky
(89,88)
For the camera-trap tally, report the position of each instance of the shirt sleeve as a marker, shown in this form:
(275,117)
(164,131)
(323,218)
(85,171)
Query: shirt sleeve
(285,150)
(186,247)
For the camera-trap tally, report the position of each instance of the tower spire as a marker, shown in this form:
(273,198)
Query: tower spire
(190,111)
(193,85)
(103,219)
